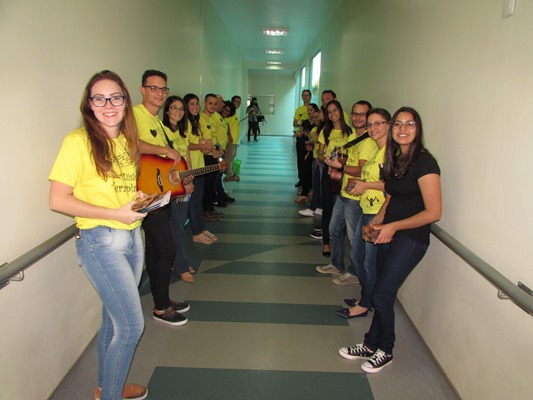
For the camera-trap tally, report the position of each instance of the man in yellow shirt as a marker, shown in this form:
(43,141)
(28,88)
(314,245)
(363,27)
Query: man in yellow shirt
(159,244)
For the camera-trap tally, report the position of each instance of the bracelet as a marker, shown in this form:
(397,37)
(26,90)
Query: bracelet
(341,169)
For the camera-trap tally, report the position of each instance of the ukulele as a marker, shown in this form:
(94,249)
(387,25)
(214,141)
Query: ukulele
(159,174)
(335,176)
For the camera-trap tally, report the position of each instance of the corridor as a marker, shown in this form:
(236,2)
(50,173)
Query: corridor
(262,323)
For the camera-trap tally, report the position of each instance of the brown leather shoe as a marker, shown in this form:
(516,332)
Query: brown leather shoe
(131,392)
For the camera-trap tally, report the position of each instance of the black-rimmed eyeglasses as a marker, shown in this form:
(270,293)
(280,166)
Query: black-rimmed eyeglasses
(156,89)
(100,101)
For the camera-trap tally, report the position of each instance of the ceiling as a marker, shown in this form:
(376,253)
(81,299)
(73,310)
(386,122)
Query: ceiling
(245,19)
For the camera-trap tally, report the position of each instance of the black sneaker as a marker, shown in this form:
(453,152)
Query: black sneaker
(179,307)
(377,362)
(356,352)
(297,184)
(316,234)
(228,199)
(169,316)
(220,204)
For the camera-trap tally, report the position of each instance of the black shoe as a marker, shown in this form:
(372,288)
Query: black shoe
(377,362)
(220,204)
(299,183)
(356,352)
(345,313)
(351,302)
(229,199)
(217,213)
(316,234)
(179,307)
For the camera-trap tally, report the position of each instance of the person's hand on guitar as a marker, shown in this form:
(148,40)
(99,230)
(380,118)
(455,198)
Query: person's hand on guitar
(173,154)
(358,187)
(188,185)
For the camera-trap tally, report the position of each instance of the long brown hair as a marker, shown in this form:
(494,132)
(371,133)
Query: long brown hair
(102,149)
(396,164)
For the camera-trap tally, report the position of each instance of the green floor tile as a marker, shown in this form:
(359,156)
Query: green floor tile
(266,268)
(265,313)
(169,383)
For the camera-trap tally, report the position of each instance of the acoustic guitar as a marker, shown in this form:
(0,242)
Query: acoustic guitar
(160,174)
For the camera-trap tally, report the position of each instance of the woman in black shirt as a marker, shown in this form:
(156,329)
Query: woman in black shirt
(412,184)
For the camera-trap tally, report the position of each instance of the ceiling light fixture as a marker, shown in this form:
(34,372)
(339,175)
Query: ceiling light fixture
(274,51)
(274,62)
(275,31)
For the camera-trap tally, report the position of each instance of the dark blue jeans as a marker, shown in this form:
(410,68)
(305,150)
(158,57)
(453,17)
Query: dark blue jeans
(395,261)
(196,207)
(316,200)
(364,261)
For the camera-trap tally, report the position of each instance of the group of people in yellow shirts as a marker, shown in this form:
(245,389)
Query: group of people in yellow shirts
(373,182)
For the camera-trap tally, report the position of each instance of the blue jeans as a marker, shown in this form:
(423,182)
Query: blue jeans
(344,218)
(365,261)
(395,261)
(112,260)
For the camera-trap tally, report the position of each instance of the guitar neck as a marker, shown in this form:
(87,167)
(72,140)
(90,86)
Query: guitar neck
(199,171)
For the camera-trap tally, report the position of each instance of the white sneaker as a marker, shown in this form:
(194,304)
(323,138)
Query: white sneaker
(328,269)
(318,211)
(307,212)
(346,279)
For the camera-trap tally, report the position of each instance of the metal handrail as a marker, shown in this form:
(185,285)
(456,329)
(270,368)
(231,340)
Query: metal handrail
(14,271)
(520,294)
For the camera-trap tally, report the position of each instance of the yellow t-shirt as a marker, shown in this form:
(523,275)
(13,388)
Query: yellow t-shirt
(363,150)
(372,200)
(181,144)
(75,167)
(150,128)
(235,128)
(301,114)
(197,157)
(206,127)
(220,130)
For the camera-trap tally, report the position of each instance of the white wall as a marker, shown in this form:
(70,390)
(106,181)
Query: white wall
(468,72)
(49,51)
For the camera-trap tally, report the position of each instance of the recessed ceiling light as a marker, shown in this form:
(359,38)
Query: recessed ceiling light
(274,51)
(274,62)
(275,31)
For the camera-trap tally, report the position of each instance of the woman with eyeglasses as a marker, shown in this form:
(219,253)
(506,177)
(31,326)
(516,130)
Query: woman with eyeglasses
(175,118)
(413,201)
(369,188)
(94,180)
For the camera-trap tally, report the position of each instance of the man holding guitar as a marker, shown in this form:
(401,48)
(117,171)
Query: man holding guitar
(155,138)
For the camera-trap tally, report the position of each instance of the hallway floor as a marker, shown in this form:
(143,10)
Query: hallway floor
(262,323)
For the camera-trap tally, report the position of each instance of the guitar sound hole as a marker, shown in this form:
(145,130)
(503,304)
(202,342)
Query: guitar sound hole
(174,176)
